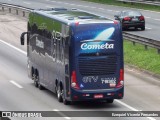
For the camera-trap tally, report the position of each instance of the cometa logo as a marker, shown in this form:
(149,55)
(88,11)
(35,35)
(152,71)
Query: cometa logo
(86,46)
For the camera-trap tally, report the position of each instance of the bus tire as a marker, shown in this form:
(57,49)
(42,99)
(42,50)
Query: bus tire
(110,100)
(66,102)
(40,86)
(36,78)
(35,83)
(59,94)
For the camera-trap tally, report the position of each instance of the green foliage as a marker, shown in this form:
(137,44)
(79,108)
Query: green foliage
(144,59)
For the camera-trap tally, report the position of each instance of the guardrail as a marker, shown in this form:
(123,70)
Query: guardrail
(156,3)
(147,42)
(15,9)
(19,10)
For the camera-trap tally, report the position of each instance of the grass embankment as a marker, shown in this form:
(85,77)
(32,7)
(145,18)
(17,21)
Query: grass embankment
(134,5)
(143,59)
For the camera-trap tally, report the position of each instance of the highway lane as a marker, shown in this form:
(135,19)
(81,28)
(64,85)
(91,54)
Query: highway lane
(152,18)
(140,94)
(25,97)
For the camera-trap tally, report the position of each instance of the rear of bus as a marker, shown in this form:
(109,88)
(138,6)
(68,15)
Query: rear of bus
(96,61)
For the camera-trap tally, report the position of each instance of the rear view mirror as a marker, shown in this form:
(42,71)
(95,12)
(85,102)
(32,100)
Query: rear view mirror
(22,37)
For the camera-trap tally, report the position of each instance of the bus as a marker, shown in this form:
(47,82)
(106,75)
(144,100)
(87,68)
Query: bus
(75,54)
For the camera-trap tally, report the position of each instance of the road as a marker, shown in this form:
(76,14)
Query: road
(142,92)
(152,18)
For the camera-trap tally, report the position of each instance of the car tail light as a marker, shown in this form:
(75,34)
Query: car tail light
(74,83)
(121,79)
(141,18)
(127,19)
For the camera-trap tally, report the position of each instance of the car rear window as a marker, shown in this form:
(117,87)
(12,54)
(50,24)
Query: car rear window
(132,13)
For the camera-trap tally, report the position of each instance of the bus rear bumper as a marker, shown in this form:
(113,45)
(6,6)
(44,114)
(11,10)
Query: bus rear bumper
(80,95)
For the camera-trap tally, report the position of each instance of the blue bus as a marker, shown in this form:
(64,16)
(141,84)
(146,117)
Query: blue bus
(75,54)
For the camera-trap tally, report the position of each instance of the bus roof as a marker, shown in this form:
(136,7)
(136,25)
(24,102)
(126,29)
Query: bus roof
(69,16)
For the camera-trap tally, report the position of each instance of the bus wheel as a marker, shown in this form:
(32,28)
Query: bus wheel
(39,85)
(110,100)
(66,102)
(59,94)
(36,81)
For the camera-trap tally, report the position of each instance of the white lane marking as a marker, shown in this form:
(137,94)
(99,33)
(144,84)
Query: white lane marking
(16,84)
(27,3)
(101,8)
(66,3)
(48,7)
(110,10)
(148,28)
(85,6)
(157,19)
(56,110)
(72,4)
(147,17)
(132,108)
(80,5)
(2,41)
(93,7)
(68,118)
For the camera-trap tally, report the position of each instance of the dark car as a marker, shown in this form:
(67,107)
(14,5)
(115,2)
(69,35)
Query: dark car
(131,19)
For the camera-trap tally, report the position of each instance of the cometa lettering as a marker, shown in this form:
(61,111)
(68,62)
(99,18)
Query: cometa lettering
(85,46)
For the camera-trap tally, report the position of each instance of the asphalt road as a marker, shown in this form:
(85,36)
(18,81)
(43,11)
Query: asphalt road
(152,18)
(142,92)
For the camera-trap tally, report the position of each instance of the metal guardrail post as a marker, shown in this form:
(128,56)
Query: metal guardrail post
(3,9)
(23,13)
(134,43)
(16,12)
(9,10)
(146,47)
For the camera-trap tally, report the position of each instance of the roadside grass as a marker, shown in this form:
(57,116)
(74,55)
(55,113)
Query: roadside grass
(141,58)
(134,5)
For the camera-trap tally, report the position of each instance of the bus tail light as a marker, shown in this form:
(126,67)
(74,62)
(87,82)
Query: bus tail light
(115,22)
(77,23)
(74,83)
(121,79)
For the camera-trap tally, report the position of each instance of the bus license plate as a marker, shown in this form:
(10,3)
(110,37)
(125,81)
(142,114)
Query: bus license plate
(98,96)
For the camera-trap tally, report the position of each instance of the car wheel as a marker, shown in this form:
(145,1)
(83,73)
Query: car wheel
(124,28)
(143,28)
